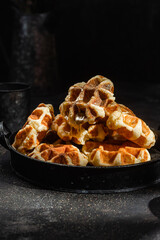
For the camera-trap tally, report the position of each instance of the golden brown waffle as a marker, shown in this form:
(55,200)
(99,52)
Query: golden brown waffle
(34,130)
(114,106)
(86,102)
(113,144)
(126,124)
(60,153)
(80,134)
(103,154)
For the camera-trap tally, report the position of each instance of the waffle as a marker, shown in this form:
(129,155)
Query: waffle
(86,102)
(34,130)
(114,155)
(114,106)
(80,134)
(131,127)
(60,153)
(113,144)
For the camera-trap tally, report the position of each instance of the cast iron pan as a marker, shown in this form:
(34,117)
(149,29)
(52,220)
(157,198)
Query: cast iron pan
(82,179)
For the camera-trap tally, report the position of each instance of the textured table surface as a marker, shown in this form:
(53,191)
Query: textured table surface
(29,212)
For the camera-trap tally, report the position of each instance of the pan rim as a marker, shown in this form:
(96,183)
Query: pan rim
(21,87)
(86,191)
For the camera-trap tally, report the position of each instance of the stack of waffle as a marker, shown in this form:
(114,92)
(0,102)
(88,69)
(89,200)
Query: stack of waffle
(91,128)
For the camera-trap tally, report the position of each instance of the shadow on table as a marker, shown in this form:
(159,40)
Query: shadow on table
(154,206)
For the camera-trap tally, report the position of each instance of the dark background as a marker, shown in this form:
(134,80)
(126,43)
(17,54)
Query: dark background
(117,39)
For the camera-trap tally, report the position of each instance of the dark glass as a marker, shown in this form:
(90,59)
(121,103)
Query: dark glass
(33,55)
(14,104)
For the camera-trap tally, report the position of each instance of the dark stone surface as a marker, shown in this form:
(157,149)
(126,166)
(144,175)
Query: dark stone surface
(29,212)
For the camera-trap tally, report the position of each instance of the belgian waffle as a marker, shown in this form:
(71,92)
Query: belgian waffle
(59,153)
(86,102)
(89,146)
(34,130)
(104,154)
(131,127)
(114,106)
(80,134)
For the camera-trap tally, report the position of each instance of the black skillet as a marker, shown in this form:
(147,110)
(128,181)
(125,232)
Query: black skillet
(78,179)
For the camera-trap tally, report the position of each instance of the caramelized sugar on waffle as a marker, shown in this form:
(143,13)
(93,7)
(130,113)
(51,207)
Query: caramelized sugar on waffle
(114,144)
(104,154)
(131,127)
(80,134)
(60,153)
(34,130)
(114,106)
(86,102)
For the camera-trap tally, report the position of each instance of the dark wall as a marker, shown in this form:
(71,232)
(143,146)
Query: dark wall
(6,20)
(117,39)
